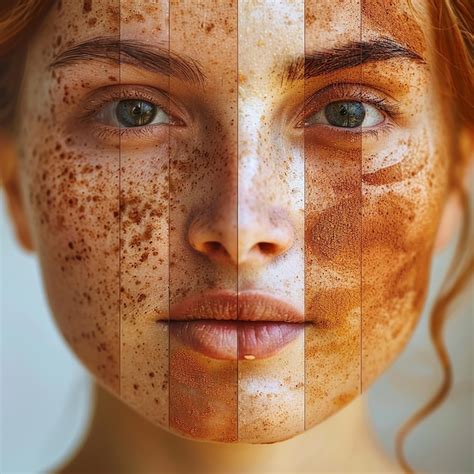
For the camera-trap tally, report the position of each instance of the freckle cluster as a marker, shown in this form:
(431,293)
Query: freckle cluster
(118,218)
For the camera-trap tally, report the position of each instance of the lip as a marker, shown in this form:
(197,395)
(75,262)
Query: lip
(226,325)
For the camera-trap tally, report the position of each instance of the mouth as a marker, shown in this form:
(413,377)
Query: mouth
(235,326)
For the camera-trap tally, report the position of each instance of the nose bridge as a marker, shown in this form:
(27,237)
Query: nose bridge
(251,112)
(251,147)
(245,224)
(251,167)
(261,225)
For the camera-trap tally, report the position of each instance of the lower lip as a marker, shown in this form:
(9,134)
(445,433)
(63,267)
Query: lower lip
(231,340)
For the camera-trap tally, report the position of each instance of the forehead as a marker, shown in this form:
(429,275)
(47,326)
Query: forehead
(331,22)
(273,24)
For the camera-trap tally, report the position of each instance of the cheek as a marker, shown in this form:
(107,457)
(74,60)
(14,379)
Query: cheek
(144,210)
(396,260)
(368,255)
(73,206)
(144,281)
(102,238)
(400,220)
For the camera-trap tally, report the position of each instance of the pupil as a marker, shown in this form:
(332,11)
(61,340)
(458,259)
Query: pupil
(135,113)
(345,114)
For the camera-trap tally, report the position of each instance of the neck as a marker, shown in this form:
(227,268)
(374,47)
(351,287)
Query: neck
(128,443)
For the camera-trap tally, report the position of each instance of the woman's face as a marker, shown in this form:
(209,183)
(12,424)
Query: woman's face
(234,204)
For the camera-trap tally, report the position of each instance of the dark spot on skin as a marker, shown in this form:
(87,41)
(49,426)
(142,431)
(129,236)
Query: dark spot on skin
(87,6)
(106,245)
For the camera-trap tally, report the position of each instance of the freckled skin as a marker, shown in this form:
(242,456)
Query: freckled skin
(117,218)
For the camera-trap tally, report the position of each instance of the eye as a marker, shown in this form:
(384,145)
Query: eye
(132,113)
(347,114)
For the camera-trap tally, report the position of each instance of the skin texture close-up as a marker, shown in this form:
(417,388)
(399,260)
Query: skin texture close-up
(235,205)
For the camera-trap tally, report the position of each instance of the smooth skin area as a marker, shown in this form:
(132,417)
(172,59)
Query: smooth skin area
(242,180)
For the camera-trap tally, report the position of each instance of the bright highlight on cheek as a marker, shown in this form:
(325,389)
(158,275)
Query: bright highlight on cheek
(153,186)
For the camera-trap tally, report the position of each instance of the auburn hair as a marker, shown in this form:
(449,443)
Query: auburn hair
(450,37)
(451,42)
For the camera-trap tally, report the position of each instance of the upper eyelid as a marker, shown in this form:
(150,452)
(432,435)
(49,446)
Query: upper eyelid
(343,89)
(108,95)
(125,88)
(123,92)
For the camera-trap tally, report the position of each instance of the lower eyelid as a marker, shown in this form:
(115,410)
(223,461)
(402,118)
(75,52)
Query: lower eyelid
(331,137)
(114,133)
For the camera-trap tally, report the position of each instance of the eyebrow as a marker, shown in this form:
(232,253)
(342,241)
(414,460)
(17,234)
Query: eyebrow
(156,58)
(352,54)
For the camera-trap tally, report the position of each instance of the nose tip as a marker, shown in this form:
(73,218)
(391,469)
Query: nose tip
(255,242)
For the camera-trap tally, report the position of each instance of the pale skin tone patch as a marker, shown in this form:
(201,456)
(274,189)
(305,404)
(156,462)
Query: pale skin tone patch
(116,247)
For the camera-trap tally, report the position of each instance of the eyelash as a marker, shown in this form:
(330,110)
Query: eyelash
(92,108)
(350,92)
(314,103)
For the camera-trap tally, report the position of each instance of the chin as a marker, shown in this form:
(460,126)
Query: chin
(259,401)
(228,401)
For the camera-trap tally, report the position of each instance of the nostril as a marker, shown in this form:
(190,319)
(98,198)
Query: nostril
(212,246)
(215,249)
(267,248)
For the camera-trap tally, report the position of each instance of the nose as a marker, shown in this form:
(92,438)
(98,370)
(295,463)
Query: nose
(250,221)
(243,234)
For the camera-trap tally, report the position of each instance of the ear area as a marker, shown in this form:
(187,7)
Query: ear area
(11,184)
(453,211)
(450,221)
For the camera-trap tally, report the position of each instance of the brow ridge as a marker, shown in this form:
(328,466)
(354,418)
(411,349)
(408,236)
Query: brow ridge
(157,58)
(352,54)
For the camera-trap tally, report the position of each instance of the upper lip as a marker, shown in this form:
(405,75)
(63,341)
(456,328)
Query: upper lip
(228,305)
